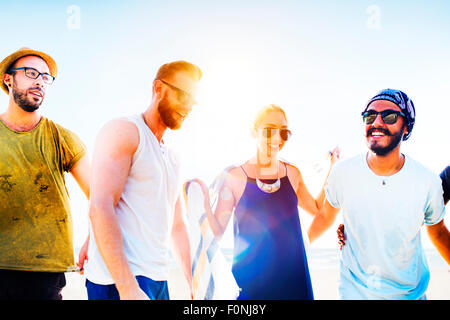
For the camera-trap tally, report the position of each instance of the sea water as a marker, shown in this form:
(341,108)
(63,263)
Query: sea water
(328,258)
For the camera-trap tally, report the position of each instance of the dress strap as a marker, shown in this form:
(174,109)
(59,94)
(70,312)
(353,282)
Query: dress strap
(244,171)
(285,167)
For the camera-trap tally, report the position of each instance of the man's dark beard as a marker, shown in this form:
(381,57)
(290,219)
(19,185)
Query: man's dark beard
(396,139)
(167,113)
(20,97)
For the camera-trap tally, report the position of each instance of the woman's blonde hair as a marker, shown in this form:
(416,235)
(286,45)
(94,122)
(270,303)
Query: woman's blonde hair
(264,111)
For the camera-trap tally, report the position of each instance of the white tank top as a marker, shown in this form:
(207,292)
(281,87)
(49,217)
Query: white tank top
(145,211)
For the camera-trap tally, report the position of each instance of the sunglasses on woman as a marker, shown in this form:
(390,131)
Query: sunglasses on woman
(269,132)
(388,116)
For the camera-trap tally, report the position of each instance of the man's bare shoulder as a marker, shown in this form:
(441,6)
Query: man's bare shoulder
(119,133)
(120,123)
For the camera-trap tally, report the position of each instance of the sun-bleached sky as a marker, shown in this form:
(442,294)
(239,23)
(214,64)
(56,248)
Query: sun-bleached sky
(319,60)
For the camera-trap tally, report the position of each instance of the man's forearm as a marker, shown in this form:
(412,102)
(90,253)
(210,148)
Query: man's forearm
(440,237)
(108,237)
(182,250)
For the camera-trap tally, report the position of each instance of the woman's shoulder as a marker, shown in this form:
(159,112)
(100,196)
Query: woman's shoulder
(293,174)
(292,169)
(235,176)
(236,172)
(234,179)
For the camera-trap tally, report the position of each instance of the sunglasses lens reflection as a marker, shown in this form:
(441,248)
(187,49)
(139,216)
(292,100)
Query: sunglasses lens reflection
(285,134)
(390,118)
(370,118)
(270,132)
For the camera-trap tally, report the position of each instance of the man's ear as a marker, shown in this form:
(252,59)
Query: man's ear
(405,130)
(157,87)
(7,80)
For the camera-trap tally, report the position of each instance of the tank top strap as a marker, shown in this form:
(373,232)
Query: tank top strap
(285,166)
(244,171)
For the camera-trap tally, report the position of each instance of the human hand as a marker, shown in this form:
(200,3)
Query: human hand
(83,256)
(205,190)
(341,236)
(134,294)
(334,155)
(190,285)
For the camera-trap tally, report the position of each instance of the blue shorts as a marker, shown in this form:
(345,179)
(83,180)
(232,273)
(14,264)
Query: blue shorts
(155,290)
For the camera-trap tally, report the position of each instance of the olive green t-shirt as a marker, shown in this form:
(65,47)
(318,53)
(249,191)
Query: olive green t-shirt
(35,220)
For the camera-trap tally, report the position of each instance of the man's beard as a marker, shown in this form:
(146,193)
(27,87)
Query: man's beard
(21,99)
(170,118)
(396,138)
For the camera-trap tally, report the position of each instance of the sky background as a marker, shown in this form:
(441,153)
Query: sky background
(319,60)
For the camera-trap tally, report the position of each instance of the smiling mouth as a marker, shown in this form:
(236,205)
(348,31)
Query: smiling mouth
(36,94)
(181,114)
(274,146)
(377,133)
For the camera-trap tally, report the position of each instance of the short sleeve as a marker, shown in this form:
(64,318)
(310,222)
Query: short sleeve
(435,209)
(73,149)
(445,177)
(332,191)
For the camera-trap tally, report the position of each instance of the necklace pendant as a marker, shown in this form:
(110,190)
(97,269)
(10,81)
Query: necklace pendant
(383,183)
(268,187)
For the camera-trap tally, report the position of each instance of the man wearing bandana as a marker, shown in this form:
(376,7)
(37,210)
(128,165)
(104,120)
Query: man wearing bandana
(385,197)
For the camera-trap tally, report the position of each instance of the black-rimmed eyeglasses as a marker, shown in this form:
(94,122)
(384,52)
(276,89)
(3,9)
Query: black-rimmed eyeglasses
(34,74)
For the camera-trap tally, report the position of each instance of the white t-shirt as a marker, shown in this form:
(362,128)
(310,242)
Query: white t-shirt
(383,256)
(145,211)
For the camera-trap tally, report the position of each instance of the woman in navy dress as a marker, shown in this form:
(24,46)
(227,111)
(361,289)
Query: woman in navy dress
(269,259)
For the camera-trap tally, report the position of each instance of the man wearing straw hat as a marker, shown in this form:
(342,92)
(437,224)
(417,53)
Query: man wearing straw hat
(135,208)
(35,221)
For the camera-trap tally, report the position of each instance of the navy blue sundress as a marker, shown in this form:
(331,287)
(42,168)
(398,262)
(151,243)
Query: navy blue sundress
(269,259)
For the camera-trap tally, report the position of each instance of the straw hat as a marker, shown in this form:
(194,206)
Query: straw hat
(22,52)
